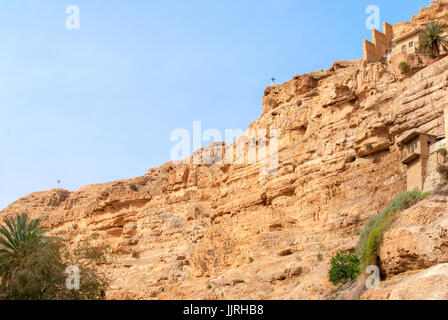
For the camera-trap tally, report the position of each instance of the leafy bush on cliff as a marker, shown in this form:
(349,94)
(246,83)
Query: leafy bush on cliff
(345,267)
(442,169)
(32,266)
(372,233)
(404,67)
(442,152)
(89,255)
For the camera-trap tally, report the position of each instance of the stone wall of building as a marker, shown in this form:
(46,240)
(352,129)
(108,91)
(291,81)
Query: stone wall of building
(369,50)
(413,38)
(414,175)
(380,45)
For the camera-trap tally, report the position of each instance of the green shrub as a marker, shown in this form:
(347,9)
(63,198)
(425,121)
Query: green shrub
(39,275)
(89,254)
(345,267)
(442,169)
(372,232)
(368,146)
(404,67)
(133,187)
(442,152)
(440,186)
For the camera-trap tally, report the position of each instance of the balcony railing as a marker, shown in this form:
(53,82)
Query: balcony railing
(408,157)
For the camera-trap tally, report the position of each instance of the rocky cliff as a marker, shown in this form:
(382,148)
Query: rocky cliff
(212,231)
(222,231)
(437,11)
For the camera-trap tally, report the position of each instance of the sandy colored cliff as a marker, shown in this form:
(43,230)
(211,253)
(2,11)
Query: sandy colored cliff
(212,231)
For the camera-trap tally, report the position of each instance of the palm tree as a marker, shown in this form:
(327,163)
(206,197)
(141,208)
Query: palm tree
(434,38)
(32,266)
(18,239)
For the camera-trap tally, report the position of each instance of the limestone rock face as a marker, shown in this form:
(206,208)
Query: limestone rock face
(427,284)
(437,11)
(223,231)
(414,253)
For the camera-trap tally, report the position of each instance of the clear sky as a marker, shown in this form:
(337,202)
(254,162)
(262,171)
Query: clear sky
(99,103)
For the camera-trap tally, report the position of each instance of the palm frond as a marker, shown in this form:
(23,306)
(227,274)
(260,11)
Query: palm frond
(18,238)
(433,39)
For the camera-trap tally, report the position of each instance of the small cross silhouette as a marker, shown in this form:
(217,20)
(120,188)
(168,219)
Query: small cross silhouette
(273,81)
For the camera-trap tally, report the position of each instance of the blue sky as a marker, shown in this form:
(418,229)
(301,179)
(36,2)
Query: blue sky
(99,104)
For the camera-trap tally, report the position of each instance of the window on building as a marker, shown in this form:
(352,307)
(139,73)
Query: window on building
(403,48)
(412,147)
(411,44)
